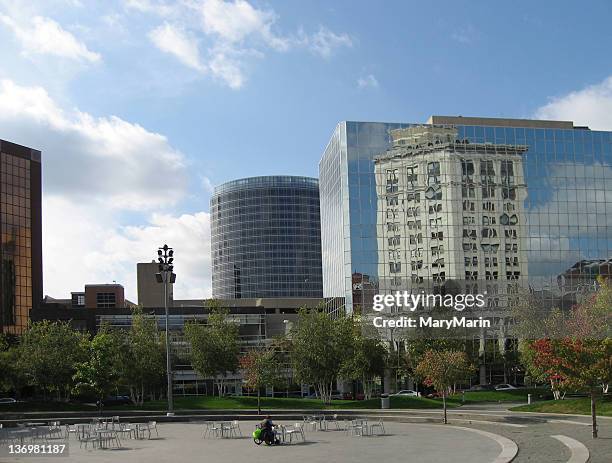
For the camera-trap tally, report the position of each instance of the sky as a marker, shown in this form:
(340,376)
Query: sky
(141,107)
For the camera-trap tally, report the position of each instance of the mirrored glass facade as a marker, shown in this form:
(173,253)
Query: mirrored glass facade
(20,226)
(266,238)
(492,201)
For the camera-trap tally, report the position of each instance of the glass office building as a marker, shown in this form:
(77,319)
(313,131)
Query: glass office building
(266,238)
(483,200)
(21,244)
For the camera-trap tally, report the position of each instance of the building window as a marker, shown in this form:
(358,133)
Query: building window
(392,226)
(487,171)
(433,173)
(392,200)
(488,191)
(469,233)
(413,212)
(507,172)
(469,247)
(468,192)
(105,300)
(488,206)
(467,170)
(509,193)
(488,220)
(392,181)
(412,175)
(416,197)
(394,240)
(395,267)
(433,208)
(489,233)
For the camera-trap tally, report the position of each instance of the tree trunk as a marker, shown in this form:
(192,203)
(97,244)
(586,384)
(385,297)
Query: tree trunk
(593,414)
(444,406)
(258,401)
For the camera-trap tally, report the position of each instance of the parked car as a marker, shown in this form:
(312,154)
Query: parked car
(482,387)
(117,400)
(505,387)
(7,400)
(407,393)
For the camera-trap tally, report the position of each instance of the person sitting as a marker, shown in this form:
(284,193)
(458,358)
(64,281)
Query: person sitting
(269,433)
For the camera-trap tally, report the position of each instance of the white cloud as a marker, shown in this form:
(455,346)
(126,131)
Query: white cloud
(324,42)
(96,171)
(105,159)
(173,40)
(46,37)
(234,22)
(232,33)
(590,106)
(225,67)
(367,81)
(96,248)
(148,6)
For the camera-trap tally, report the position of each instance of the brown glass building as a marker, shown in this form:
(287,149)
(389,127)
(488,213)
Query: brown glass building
(21,241)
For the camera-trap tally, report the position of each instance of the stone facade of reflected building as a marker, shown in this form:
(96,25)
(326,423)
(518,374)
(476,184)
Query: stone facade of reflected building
(449,209)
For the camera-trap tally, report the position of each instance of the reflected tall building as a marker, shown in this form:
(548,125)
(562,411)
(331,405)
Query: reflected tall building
(21,243)
(450,209)
(480,199)
(266,238)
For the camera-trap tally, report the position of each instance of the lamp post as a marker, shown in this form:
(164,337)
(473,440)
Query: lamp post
(166,276)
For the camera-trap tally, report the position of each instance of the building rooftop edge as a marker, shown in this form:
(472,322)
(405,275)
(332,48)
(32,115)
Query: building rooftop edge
(500,122)
(265,180)
(484,121)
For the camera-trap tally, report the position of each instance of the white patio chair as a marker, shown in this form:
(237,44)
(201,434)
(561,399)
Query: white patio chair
(234,429)
(297,430)
(129,429)
(378,425)
(70,429)
(86,436)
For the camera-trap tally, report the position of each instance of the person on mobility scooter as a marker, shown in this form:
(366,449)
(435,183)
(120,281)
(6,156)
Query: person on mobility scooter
(265,432)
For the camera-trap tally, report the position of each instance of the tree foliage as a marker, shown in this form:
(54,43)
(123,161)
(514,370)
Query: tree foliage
(49,353)
(320,345)
(365,360)
(214,347)
(441,369)
(262,368)
(577,354)
(99,374)
(142,358)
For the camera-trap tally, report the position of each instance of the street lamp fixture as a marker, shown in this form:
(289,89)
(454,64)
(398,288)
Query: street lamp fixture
(166,276)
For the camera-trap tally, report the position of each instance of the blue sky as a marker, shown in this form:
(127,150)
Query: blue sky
(205,91)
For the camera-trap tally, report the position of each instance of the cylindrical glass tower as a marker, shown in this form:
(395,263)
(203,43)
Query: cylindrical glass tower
(266,238)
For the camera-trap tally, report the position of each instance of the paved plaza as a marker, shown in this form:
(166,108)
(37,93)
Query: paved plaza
(518,438)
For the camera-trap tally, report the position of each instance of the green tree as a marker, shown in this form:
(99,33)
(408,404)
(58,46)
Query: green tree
(13,377)
(262,368)
(49,353)
(441,369)
(366,360)
(320,345)
(142,363)
(577,354)
(214,347)
(99,374)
